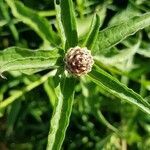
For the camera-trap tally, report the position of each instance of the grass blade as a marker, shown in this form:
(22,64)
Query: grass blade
(61,114)
(113,86)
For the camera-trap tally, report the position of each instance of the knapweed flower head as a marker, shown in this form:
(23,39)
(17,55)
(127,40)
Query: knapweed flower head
(78,61)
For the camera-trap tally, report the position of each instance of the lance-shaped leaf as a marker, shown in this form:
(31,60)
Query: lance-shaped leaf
(92,35)
(122,56)
(113,86)
(61,114)
(69,22)
(15,58)
(114,34)
(30,17)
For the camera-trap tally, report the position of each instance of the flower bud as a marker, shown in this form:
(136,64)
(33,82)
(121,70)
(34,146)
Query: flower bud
(79,61)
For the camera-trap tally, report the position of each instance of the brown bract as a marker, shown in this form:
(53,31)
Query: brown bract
(79,61)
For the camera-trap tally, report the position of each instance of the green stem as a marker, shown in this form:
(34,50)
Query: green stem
(18,94)
(102,119)
(47,13)
(9,20)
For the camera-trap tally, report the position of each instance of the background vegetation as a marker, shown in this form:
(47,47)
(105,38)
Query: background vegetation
(99,120)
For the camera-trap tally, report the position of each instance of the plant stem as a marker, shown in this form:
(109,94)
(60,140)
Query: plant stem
(28,88)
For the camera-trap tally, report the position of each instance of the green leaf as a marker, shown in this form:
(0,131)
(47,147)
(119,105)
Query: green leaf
(15,58)
(113,86)
(12,117)
(59,23)
(110,36)
(122,56)
(50,90)
(69,22)
(61,114)
(83,24)
(125,15)
(30,17)
(5,13)
(144,52)
(92,35)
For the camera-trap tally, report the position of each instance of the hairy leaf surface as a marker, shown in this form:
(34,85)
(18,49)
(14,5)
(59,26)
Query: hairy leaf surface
(61,114)
(111,36)
(15,58)
(69,22)
(113,86)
